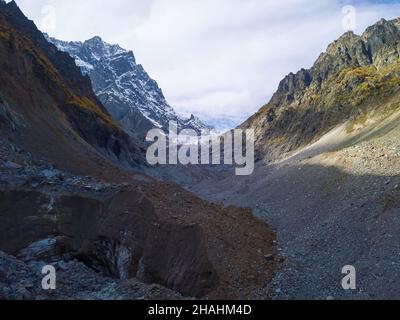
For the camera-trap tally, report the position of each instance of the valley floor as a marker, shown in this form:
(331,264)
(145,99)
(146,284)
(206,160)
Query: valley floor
(333,204)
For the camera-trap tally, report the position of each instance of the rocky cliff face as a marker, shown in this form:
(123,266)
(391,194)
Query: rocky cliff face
(124,87)
(349,80)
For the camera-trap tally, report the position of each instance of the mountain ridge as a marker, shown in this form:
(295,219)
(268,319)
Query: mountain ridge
(340,86)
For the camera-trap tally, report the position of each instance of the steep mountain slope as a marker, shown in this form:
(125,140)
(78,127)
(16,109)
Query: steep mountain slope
(123,86)
(68,195)
(347,82)
(37,79)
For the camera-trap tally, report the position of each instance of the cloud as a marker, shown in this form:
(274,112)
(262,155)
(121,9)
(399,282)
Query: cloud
(217,58)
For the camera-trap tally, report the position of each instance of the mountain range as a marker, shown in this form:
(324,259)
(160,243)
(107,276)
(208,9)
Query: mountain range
(73,192)
(72,195)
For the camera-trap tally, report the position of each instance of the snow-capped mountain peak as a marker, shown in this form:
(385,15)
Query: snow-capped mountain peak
(124,87)
(197,124)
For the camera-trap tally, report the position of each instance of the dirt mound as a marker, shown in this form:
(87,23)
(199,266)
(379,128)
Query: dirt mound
(154,233)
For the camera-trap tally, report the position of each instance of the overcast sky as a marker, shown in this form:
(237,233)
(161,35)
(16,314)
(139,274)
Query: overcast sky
(211,57)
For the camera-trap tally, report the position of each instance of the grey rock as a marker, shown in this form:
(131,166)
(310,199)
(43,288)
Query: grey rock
(49,173)
(11,165)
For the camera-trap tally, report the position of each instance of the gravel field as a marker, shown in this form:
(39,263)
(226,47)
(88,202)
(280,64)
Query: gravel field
(330,209)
